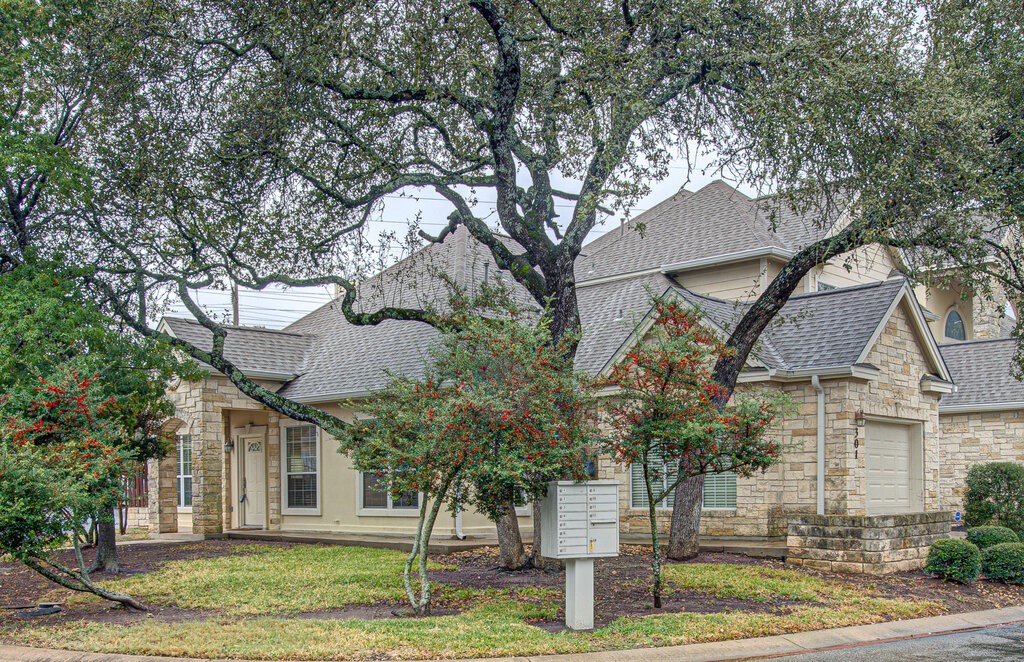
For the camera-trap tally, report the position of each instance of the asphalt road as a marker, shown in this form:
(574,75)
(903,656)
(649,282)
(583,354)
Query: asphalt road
(1001,643)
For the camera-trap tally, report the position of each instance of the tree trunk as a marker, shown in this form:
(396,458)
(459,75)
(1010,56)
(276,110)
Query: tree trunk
(683,539)
(652,514)
(510,542)
(106,548)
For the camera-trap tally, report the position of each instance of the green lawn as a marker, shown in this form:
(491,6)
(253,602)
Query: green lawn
(254,593)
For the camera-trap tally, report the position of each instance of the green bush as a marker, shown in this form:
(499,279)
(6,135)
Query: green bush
(955,560)
(1004,562)
(986,536)
(995,495)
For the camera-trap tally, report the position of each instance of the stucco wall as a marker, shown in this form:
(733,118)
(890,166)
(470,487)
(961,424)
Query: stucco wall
(211,410)
(969,439)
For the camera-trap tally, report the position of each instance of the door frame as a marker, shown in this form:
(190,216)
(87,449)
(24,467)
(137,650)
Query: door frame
(239,437)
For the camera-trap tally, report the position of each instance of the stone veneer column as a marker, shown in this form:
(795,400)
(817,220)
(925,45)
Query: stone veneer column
(274,471)
(988,313)
(163,495)
(207,466)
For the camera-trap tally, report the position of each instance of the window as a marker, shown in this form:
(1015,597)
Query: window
(376,496)
(638,491)
(302,470)
(719,489)
(184,473)
(955,329)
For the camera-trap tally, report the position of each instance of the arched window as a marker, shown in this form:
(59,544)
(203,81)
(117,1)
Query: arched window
(955,329)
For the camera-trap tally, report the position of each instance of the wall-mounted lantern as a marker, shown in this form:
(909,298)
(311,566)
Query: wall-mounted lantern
(229,446)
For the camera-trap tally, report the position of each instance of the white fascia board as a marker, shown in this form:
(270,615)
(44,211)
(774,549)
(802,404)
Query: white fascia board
(270,376)
(930,384)
(334,398)
(617,277)
(987,407)
(860,372)
(728,258)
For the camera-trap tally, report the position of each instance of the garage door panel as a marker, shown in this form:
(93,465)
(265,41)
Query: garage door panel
(891,457)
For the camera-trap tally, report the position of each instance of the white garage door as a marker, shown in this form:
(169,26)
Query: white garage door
(894,468)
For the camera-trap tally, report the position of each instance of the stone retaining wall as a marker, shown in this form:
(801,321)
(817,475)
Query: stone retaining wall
(876,544)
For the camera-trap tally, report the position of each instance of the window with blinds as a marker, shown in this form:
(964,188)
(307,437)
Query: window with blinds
(719,489)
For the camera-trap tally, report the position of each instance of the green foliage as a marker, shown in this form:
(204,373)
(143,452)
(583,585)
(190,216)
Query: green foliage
(671,416)
(954,560)
(1004,562)
(497,413)
(987,536)
(995,495)
(47,329)
(61,458)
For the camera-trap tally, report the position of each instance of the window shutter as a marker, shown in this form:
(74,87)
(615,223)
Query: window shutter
(720,490)
(638,491)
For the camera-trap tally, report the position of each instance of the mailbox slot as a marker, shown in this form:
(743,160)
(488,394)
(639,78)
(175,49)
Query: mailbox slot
(580,520)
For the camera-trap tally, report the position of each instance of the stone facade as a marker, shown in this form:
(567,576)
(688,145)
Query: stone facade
(987,312)
(765,501)
(207,409)
(137,518)
(975,438)
(876,545)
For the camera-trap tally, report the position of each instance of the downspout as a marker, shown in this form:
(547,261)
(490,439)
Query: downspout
(816,383)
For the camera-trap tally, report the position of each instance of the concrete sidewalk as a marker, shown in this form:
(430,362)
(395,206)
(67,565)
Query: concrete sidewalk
(740,649)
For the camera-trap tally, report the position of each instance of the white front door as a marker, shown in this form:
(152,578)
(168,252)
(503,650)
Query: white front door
(254,481)
(893,468)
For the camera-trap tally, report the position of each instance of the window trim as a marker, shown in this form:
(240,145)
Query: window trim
(389,511)
(667,503)
(285,510)
(945,325)
(179,478)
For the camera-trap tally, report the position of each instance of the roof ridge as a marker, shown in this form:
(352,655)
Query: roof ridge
(240,327)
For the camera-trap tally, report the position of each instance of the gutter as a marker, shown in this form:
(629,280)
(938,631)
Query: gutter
(861,371)
(972,409)
(676,267)
(816,383)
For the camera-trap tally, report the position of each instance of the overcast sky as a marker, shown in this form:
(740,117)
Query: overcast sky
(276,308)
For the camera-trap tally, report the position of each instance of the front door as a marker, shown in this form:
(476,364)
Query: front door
(254,481)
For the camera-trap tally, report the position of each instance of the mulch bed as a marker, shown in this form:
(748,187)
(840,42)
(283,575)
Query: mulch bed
(622,586)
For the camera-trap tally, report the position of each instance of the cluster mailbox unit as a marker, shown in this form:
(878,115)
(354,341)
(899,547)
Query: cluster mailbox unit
(580,522)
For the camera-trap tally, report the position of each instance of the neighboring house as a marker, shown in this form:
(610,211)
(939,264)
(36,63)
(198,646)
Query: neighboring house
(854,348)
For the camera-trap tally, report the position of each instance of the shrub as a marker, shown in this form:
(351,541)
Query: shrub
(987,536)
(955,560)
(1004,562)
(995,495)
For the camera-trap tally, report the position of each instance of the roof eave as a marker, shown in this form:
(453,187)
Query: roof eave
(979,408)
(728,258)
(861,372)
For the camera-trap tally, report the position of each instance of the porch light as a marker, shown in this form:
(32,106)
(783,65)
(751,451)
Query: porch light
(229,446)
(859,418)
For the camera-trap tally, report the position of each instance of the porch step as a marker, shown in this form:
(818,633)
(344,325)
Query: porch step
(764,548)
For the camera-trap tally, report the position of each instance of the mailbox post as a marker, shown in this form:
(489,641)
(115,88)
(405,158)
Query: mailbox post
(580,522)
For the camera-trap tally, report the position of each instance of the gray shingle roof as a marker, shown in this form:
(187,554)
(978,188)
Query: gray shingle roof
(251,349)
(983,373)
(353,359)
(715,221)
(818,330)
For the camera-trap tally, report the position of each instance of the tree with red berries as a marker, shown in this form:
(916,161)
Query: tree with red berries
(665,415)
(497,413)
(61,457)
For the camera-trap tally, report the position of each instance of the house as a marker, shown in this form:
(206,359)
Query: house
(871,440)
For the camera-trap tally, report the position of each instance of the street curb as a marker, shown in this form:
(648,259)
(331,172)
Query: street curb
(721,651)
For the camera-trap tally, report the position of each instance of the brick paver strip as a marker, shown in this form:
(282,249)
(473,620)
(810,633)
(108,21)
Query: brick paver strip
(739,649)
